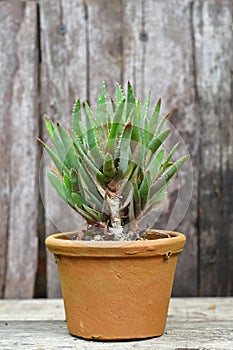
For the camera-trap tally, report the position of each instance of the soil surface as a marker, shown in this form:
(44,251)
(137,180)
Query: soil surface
(100,234)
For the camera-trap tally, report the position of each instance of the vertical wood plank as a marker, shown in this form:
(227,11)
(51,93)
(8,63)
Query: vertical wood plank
(134,42)
(214,57)
(104,45)
(74,63)
(158,56)
(63,79)
(5,100)
(19,162)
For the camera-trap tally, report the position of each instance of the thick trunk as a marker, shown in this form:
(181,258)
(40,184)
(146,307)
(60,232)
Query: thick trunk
(116,229)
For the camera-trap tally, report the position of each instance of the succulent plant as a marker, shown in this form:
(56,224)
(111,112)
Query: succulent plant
(112,167)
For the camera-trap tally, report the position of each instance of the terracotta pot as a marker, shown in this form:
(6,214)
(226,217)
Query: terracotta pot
(116,290)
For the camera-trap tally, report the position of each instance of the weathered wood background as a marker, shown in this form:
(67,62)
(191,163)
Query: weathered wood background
(54,51)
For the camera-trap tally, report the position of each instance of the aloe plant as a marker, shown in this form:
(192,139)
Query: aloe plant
(112,169)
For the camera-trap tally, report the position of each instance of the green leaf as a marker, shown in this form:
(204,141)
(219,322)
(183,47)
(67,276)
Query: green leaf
(59,148)
(74,180)
(77,126)
(155,164)
(145,110)
(87,181)
(103,113)
(58,163)
(59,187)
(78,200)
(133,162)
(69,147)
(49,126)
(158,196)
(137,200)
(95,171)
(92,200)
(158,140)
(96,215)
(126,190)
(119,94)
(87,187)
(124,149)
(116,129)
(157,199)
(154,117)
(144,133)
(82,133)
(166,176)
(68,183)
(145,189)
(76,117)
(92,138)
(130,100)
(159,128)
(136,131)
(109,168)
(166,163)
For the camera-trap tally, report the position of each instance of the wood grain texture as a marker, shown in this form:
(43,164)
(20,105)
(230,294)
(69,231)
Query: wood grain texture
(5,101)
(158,56)
(104,45)
(213,23)
(63,79)
(19,108)
(73,62)
(196,323)
(182,52)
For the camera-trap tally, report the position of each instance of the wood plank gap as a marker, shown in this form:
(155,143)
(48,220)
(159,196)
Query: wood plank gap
(122,45)
(143,38)
(8,213)
(198,152)
(40,290)
(87,51)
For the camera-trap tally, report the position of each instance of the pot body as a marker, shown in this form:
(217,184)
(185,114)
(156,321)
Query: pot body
(116,290)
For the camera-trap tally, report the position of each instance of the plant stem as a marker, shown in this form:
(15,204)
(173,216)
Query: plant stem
(116,229)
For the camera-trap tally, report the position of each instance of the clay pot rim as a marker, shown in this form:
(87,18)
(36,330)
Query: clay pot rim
(60,244)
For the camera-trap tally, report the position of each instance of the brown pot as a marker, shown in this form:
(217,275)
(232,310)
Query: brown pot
(116,290)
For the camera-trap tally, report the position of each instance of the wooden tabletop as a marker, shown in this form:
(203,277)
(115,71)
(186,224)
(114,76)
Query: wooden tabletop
(193,324)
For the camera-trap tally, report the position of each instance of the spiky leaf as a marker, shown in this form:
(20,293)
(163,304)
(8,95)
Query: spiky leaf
(92,138)
(130,100)
(124,150)
(59,187)
(58,163)
(119,94)
(49,126)
(116,129)
(76,117)
(154,117)
(158,140)
(145,189)
(109,167)
(166,176)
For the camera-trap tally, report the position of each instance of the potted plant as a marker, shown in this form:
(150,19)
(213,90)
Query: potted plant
(116,276)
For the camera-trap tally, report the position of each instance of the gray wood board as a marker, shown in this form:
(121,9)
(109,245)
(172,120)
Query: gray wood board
(182,52)
(158,57)
(63,79)
(200,324)
(213,23)
(18,152)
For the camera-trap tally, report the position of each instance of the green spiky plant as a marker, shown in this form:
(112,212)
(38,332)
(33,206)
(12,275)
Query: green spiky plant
(113,169)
